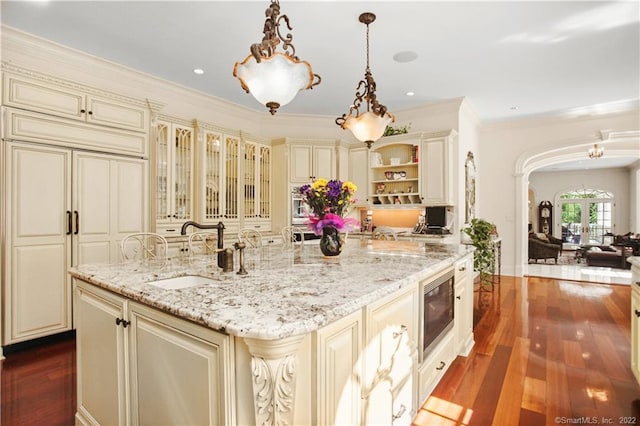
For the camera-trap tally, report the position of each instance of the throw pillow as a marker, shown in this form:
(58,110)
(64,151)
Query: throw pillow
(542,236)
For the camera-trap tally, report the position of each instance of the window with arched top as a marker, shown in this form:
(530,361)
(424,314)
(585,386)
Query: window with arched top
(586,215)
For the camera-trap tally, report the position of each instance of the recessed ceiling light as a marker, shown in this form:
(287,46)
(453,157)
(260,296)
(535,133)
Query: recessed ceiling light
(198,71)
(406,56)
(514,108)
(410,93)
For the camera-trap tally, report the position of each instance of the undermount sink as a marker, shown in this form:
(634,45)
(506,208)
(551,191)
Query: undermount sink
(185,281)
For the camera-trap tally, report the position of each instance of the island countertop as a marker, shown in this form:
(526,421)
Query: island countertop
(286,292)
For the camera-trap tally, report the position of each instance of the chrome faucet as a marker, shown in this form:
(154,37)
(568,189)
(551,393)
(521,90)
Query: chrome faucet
(223,255)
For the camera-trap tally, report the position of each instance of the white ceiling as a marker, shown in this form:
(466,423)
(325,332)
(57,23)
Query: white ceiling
(543,57)
(511,59)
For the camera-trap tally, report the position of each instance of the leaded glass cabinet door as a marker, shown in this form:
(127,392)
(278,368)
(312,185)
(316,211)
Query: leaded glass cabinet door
(174,175)
(212,210)
(250,181)
(230,202)
(264,177)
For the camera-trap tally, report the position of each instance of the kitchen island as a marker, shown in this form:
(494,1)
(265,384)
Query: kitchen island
(300,339)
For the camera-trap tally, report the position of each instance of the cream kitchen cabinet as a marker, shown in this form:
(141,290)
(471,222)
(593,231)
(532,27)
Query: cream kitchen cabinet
(390,358)
(62,208)
(463,314)
(218,176)
(73,101)
(436,168)
(635,318)
(167,370)
(257,186)
(310,162)
(395,173)
(337,372)
(174,175)
(359,173)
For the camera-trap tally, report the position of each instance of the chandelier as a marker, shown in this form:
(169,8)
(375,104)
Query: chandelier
(595,152)
(274,78)
(368,126)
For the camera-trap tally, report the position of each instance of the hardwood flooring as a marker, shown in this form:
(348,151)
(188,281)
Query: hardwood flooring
(547,351)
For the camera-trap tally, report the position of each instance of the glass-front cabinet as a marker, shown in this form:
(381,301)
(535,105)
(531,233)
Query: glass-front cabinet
(174,157)
(217,187)
(257,185)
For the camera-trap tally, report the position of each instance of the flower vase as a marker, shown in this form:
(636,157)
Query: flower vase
(330,242)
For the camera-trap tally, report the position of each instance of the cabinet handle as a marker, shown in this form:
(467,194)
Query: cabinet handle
(124,323)
(400,413)
(458,297)
(403,329)
(77,215)
(175,216)
(82,111)
(638,313)
(90,112)
(462,268)
(441,366)
(68,222)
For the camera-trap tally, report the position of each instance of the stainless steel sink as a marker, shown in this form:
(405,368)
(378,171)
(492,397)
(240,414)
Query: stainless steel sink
(184,281)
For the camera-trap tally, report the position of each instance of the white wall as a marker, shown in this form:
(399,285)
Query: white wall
(549,185)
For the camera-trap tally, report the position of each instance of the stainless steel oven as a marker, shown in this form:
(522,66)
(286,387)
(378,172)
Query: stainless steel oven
(299,211)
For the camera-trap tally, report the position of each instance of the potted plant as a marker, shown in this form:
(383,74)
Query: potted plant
(480,232)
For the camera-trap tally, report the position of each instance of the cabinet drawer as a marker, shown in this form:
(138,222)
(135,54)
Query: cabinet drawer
(435,366)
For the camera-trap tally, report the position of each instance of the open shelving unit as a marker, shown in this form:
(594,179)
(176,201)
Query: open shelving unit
(397,181)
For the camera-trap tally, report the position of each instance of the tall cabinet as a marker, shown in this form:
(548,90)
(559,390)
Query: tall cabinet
(257,186)
(64,202)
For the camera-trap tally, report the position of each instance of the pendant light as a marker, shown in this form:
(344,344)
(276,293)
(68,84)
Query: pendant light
(595,152)
(368,126)
(274,78)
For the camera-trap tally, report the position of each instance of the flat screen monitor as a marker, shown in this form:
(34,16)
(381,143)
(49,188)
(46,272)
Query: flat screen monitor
(436,217)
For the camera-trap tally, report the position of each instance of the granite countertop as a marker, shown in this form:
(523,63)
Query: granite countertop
(287,291)
(634,260)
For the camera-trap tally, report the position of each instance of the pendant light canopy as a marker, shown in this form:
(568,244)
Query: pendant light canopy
(368,126)
(274,78)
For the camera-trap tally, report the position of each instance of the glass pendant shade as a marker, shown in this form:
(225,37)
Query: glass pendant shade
(367,127)
(274,81)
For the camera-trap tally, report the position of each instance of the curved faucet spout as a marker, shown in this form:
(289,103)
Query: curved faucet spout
(219,226)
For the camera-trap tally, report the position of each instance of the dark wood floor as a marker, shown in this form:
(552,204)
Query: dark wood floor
(547,352)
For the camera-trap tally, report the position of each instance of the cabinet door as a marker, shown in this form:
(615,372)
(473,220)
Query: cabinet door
(38,96)
(231,200)
(174,175)
(102,389)
(264,180)
(37,290)
(324,162)
(251,183)
(108,112)
(180,373)
(338,370)
(436,179)
(301,167)
(210,163)
(110,201)
(463,314)
(389,379)
(359,173)
(635,327)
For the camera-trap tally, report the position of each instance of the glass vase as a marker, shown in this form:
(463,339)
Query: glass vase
(330,242)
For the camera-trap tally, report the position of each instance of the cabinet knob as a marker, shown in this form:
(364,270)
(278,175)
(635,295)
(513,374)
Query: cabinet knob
(90,112)
(637,313)
(82,111)
(462,268)
(124,323)
(458,297)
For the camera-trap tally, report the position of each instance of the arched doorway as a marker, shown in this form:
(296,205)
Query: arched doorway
(623,144)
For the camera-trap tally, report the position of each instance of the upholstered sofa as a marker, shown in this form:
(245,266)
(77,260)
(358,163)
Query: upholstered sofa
(608,256)
(544,246)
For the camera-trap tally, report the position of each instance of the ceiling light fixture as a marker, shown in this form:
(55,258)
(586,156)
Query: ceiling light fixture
(595,152)
(274,78)
(198,71)
(369,126)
